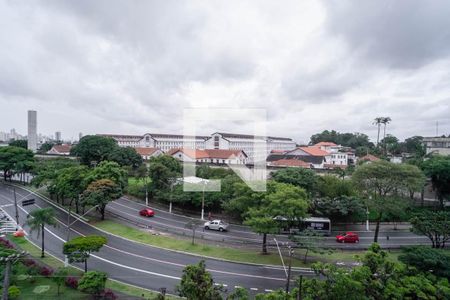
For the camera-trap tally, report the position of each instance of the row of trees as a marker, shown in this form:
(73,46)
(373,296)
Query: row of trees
(423,274)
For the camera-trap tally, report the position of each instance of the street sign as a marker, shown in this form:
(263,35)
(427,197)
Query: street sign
(28,202)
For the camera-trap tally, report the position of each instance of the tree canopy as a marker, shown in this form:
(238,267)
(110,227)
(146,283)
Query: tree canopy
(80,248)
(92,149)
(15,160)
(438,169)
(125,156)
(197,283)
(303,178)
(435,225)
(100,193)
(353,140)
(19,143)
(382,182)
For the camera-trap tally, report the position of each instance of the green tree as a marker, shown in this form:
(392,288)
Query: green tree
(125,156)
(37,219)
(45,147)
(310,241)
(433,224)
(426,260)
(385,121)
(92,149)
(109,170)
(378,121)
(162,169)
(59,277)
(438,169)
(239,293)
(80,248)
(19,143)
(285,201)
(383,182)
(99,193)
(15,160)
(70,183)
(352,140)
(303,178)
(392,144)
(415,146)
(93,282)
(197,283)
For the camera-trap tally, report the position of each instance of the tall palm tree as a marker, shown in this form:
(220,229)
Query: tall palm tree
(385,121)
(37,220)
(378,121)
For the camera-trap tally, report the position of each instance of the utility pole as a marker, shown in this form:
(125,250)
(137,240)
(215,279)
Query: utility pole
(17,210)
(291,252)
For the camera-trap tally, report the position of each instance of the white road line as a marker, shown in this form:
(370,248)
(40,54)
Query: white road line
(153,259)
(237,287)
(254,289)
(268,291)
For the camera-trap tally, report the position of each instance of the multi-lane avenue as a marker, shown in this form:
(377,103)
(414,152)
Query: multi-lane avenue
(139,264)
(241,235)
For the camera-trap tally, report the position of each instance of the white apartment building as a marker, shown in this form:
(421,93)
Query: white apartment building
(164,142)
(218,140)
(437,145)
(248,143)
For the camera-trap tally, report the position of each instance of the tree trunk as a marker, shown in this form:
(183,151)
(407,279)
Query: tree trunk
(42,249)
(6,280)
(306,256)
(264,245)
(85,265)
(377,228)
(193,236)
(102,212)
(378,136)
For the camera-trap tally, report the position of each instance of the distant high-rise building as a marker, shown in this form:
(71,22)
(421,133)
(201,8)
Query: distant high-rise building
(32,130)
(58,136)
(80,135)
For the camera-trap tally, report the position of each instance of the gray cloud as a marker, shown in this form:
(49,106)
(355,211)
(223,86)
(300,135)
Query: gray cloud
(132,66)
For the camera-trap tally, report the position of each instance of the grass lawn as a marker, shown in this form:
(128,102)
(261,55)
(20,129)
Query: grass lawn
(34,251)
(184,245)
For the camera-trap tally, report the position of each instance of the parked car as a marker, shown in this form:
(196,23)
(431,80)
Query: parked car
(216,225)
(147,212)
(348,237)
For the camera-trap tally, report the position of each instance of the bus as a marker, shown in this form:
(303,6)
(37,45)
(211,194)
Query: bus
(317,224)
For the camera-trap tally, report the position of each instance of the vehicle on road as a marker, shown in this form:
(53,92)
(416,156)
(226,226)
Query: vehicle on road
(147,212)
(348,237)
(316,224)
(216,225)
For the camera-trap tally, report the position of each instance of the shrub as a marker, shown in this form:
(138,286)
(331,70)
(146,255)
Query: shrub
(46,271)
(13,292)
(72,282)
(427,259)
(29,262)
(93,282)
(6,244)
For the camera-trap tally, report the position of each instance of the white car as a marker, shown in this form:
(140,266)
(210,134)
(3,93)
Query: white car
(216,225)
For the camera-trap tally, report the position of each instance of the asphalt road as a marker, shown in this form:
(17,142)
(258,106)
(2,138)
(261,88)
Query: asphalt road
(140,264)
(242,235)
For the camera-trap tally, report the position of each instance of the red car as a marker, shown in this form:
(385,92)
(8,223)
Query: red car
(147,212)
(348,237)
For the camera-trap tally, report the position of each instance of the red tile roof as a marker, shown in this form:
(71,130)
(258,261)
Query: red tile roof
(291,163)
(369,157)
(314,151)
(325,144)
(278,151)
(207,153)
(146,151)
(62,148)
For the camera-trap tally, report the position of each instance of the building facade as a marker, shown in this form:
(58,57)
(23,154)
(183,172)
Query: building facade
(437,145)
(218,141)
(32,130)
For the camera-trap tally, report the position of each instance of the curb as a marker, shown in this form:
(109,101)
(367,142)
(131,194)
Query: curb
(167,249)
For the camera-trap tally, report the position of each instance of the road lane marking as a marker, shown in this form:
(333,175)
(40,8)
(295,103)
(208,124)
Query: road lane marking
(152,259)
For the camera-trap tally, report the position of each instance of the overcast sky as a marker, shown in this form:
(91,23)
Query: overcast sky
(131,67)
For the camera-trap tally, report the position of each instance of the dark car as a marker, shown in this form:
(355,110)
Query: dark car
(348,237)
(147,212)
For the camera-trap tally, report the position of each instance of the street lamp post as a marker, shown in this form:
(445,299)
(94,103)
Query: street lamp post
(291,252)
(203,200)
(367,219)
